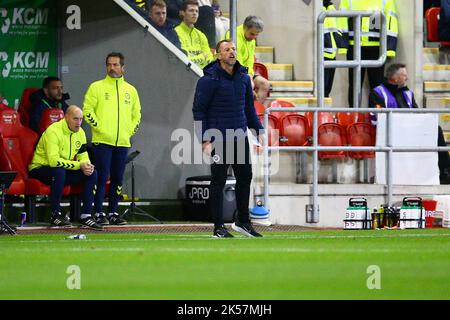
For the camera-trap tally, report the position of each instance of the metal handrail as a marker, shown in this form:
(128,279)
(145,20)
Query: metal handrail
(316,148)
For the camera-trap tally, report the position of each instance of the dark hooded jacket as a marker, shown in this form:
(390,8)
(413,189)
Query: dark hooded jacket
(39,103)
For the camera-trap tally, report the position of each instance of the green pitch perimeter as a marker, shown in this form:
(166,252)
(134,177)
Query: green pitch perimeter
(413,264)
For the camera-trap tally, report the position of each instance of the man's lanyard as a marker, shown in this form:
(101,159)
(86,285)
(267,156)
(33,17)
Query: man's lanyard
(58,104)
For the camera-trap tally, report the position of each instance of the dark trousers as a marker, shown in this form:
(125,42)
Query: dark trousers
(206,23)
(109,161)
(328,78)
(443,157)
(242,169)
(57,178)
(375,75)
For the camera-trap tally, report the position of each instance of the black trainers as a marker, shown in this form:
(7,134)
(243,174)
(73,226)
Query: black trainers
(116,219)
(222,232)
(90,223)
(57,219)
(246,229)
(101,219)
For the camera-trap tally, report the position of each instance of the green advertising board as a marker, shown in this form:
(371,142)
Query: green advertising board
(28,45)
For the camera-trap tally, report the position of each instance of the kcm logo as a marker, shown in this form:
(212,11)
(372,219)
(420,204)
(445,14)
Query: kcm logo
(22,16)
(24,60)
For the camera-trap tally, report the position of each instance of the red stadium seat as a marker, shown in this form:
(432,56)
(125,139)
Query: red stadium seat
(361,134)
(347,118)
(331,134)
(273,130)
(294,130)
(25,105)
(280,104)
(322,117)
(432,19)
(48,117)
(4,106)
(259,108)
(261,69)
(17,145)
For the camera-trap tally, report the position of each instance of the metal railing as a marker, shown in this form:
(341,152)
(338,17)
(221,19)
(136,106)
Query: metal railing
(357,64)
(315,148)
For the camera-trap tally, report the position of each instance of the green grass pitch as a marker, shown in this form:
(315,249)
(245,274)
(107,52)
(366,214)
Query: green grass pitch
(413,264)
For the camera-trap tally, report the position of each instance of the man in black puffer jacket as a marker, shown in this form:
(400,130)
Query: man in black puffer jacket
(223,108)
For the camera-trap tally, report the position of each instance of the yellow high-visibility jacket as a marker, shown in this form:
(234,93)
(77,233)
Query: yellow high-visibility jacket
(332,35)
(245,49)
(112,108)
(60,147)
(195,43)
(370,26)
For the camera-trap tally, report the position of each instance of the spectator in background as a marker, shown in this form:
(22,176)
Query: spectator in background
(173,11)
(246,35)
(393,93)
(141,4)
(332,40)
(222,23)
(193,41)
(370,38)
(50,96)
(206,22)
(157,13)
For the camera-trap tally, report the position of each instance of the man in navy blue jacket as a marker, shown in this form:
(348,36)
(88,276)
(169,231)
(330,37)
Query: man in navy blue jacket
(223,107)
(50,96)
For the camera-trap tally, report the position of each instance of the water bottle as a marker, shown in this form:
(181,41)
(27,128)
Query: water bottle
(23,218)
(77,236)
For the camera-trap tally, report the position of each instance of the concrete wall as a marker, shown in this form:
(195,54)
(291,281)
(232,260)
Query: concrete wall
(165,87)
(288,28)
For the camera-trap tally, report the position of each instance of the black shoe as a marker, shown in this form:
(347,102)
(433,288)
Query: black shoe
(222,232)
(57,219)
(116,220)
(246,229)
(444,177)
(90,223)
(101,219)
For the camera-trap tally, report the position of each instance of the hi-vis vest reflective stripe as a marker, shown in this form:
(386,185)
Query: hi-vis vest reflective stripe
(390,101)
(370,26)
(332,35)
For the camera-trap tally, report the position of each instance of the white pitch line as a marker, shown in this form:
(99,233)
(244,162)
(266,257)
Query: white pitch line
(266,237)
(233,250)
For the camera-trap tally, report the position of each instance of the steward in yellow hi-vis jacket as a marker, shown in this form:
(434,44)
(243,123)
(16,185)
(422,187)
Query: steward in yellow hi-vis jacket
(370,37)
(61,159)
(112,108)
(332,41)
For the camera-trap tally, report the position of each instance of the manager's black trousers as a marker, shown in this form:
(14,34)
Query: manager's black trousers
(237,155)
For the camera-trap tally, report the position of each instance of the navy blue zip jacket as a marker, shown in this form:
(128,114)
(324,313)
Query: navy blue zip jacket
(39,103)
(223,101)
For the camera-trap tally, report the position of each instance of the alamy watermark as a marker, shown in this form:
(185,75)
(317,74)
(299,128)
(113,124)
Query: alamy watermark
(374,280)
(226,147)
(73,281)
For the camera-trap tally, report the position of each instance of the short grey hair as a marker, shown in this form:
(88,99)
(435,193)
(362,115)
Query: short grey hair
(393,69)
(254,22)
